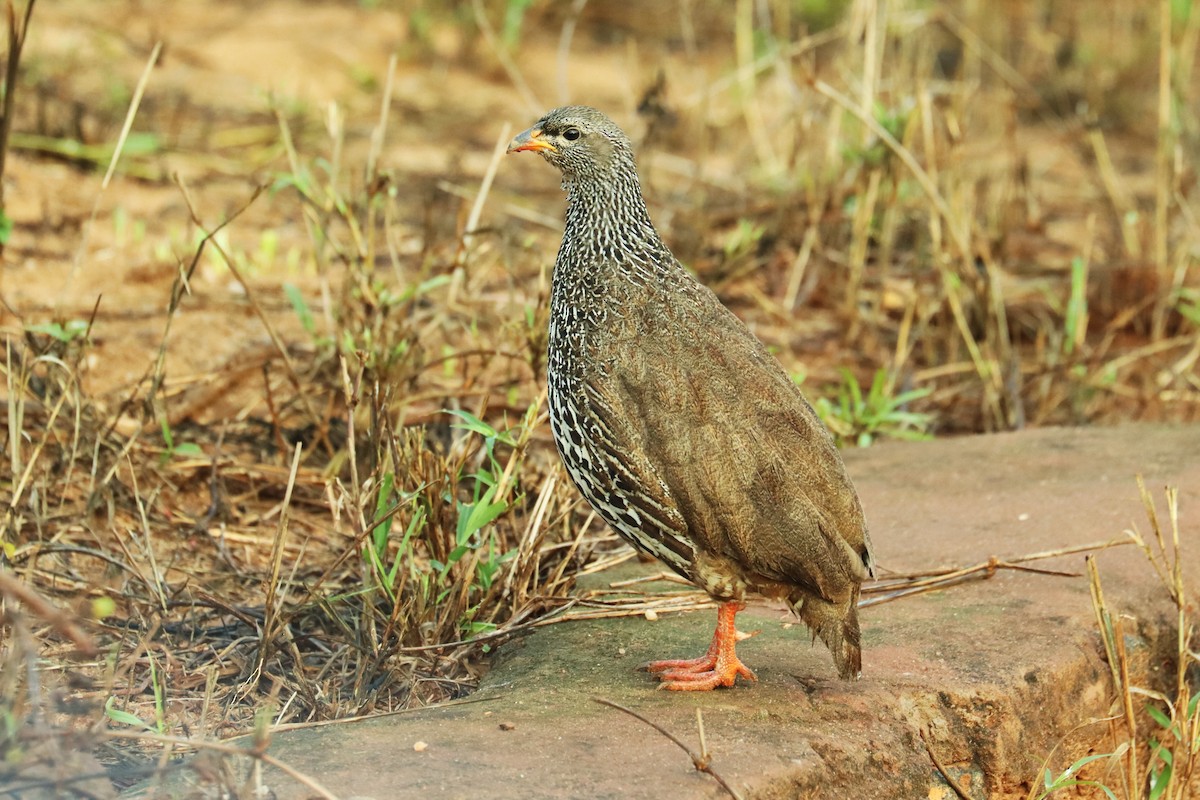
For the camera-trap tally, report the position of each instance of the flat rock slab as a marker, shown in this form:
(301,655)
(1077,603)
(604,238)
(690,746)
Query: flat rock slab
(986,677)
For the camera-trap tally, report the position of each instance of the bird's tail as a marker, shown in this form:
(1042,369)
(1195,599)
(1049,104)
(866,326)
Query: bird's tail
(837,626)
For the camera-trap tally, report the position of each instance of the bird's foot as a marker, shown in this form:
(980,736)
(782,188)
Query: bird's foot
(720,666)
(700,674)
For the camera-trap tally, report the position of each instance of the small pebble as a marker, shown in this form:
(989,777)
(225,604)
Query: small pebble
(651,614)
(419,746)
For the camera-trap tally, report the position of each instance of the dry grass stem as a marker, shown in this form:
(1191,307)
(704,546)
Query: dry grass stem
(122,138)
(897,586)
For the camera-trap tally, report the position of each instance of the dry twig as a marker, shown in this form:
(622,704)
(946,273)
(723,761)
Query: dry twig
(953,784)
(13,589)
(702,762)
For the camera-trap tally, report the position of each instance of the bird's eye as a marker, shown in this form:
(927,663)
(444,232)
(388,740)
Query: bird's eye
(571,134)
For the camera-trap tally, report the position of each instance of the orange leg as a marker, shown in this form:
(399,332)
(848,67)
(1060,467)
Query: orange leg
(720,666)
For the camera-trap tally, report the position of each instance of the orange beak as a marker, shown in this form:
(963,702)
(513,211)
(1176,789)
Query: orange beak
(530,140)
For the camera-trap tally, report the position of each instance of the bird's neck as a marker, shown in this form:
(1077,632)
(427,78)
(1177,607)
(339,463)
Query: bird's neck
(608,218)
(611,261)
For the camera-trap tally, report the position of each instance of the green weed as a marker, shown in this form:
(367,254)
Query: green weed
(861,419)
(173,449)
(158,688)
(485,506)
(514,15)
(1187,303)
(63,332)
(1068,779)
(875,153)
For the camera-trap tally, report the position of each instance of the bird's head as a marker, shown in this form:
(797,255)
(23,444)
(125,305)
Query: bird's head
(583,143)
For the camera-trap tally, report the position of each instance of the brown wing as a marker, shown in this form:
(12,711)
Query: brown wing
(752,470)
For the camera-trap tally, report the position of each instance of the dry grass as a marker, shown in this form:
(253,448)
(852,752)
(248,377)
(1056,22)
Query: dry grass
(1154,731)
(995,211)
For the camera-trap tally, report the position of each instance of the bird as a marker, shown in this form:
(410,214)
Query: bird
(679,427)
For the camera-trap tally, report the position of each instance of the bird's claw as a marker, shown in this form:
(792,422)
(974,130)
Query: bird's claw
(700,674)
